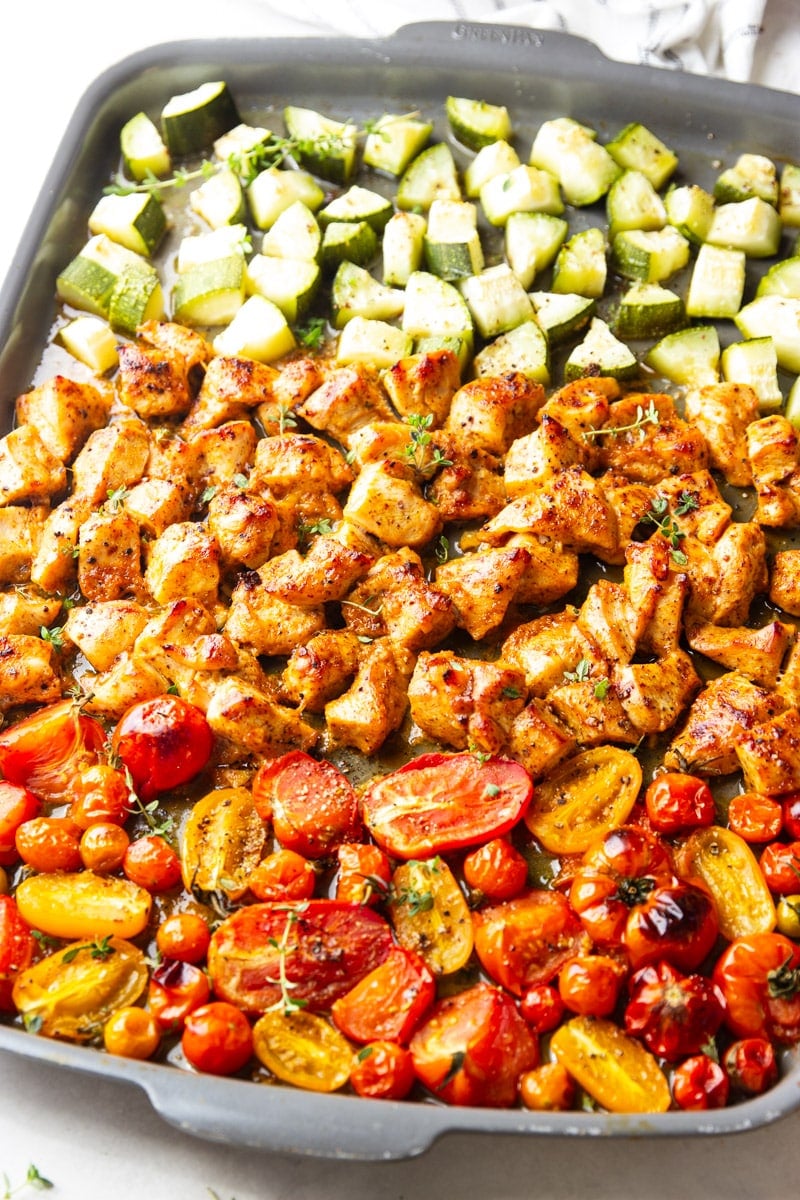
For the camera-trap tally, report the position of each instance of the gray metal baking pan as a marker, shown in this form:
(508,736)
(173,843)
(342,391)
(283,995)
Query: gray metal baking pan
(538,75)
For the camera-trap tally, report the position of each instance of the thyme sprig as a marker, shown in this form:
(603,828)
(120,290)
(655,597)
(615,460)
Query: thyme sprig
(416,451)
(659,515)
(644,416)
(33,1179)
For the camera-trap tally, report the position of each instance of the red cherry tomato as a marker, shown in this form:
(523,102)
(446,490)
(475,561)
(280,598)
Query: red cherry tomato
(176,988)
(100,794)
(699,1083)
(389,1002)
(780,866)
(50,844)
(217,1038)
(383,1071)
(675,1015)
(527,940)
(17,805)
(754,817)
(46,751)
(675,801)
(311,802)
(791,814)
(496,870)
(590,984)
(751,1065)
(617,873)
(444,802)
(542,1007)
(152,863)
(163,743)
(185,936)
(319,949)
(283,875)
(676,922)
(473,1047)
(364,873)
(759,976)
(17,948)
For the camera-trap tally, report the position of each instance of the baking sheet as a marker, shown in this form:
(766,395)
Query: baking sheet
(537,75)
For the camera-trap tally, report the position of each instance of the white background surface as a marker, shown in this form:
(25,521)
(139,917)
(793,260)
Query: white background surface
(95,1139)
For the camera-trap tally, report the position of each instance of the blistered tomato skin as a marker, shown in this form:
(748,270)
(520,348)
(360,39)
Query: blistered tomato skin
(389,1003)
(47,751)
(674,1015)
(283,875)
(17,948)
(152,863)
(49,844)
(131,1032)
(590,984)
(383,1071)
(751,1066)
(699,1084)
(496,870)
(677,923)
(184,936)
(759,976)
(675,801)
(176,989)
(528,940)
(163,743)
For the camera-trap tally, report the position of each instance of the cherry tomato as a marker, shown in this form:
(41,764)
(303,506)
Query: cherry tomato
(163,743)
(780,866)
(217,1038)
(364,873)
(131,1032)
(17,948)
(725,864)
(184,936)
(46,751)
(82,904)
(319,949)
(100,794)
(176,989)
(676,801)
(674,1014)
(759,976)
(676,922)
(527,940)
(547,1088)
(283,875)
(311,802)
(17,805)
(755,817)
(542,1007)
(389,1002)
(304,1049)
(496,870)
(751,1065)
(590,984)
(49,844)
(788,915)
(430,915)
(152,863)
(699,1083)
(611,1066)
(791,814)
(383,1071)
(103,847)
(473,1047)
(222,843)
(584,797)
(442,802)
(618,871)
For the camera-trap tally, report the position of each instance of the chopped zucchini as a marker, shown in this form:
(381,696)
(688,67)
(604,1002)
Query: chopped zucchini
(475,123)
(274,190)
(782,279)
(568,150)
(90,340)
(219,200)
(717,283)
(648,310)
(403,247)
(563,315)
(691,210)
(394,141)
(432,343)
(600,353)
(524,349)
(356,293)
(358,204)
(258,330)
(136,220)
(143,150)
(375,343)
(354,241)
(291,283)
(755,363)
(432,175)
(294,234)
(689,357)
(777,317)
(210,293)
(581,264)
(238,143)
(636,148)
(524,189)
(498,158)
(322,145)
(208,247)
(88,281)
(452,243)
(751,175)
(751,225)
(497,300)
(789,196)
(193,121)
(651,255)
(435,308)
(792,408)
(633,203)
(137,297)
(532,242)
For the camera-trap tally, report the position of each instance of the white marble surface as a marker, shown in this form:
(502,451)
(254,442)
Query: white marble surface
(95,1139)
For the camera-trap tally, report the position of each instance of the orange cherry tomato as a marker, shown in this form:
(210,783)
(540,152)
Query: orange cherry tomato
(319,949)
(759,977)
(617,872)
(17,805)
(526,941)
(176,988)
(131,1032)
(152,863)
(46,751)
(755,817)
(283,875)
(473,1047)
(388,1003)
(751,1066)
(364,873)
(542,1007)
(443,802)
(311,802)
(49,844)
(163,743)
(676,922)
(184,936)
(699,1083)
(103,847)
(676,801)
(100,794)
(383,1071)
(217,1038)
(496,870)
(780,866)
(591,984)
(547,1088)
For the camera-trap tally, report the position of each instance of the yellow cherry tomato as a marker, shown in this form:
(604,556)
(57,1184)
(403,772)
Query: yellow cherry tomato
(222,843)
(612,1067)
(304,1049)
(729,869)
(583,798)
(83,905)
(131,1032)
(430,915)
(789,916)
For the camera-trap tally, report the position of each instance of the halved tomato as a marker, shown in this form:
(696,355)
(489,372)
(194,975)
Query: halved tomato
(222,842)
(304,1049)
(430,916)
(527,940)
(389,1003)
(311,803)
(309,952)
(443,802)
(46,751)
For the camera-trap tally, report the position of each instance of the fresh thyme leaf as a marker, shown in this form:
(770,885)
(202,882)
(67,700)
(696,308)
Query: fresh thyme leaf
(601,689)
(414,452)
(687,502)
(307,529)
(442,549)
(208,494)
(644,416)
(55,636)
(239,480)
(312,333)
(114,499)
(511,693)
(583,670)
(660,516)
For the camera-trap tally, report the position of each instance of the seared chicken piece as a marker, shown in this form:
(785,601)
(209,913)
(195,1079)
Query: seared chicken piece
(539,740)
(546,649)
(223,453)
(696,506)
(570,509)
(465,702)
(582,407)
(302,515)
(243,526)
(773,445)
(788,684)
(182,643)
(769,754)
(424,384)
(253,723)
(104,630)
(112,458)
(21,531)
(650,451)
(294,381)
(152,383)
(55,565)
(231,386)
(24,613)
(321,670)
(658,589)
(176,340)
(129,680)
(267,624)
(722,413)
(482,586)
(534,458)
(109,557)
(327,573)
(374,705)
(64,413)
(299,462)
(491,412)
(183,564)
(592,710)
(609,619)
(718,719)
(551,573)
(28,470)
(784,582)
(349,398)
(28,673)
(726,578)
(630,502)
(756,653)
(157,503)
(387,502)
(395,599)
(470,487)
(655,694)
(383,439)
